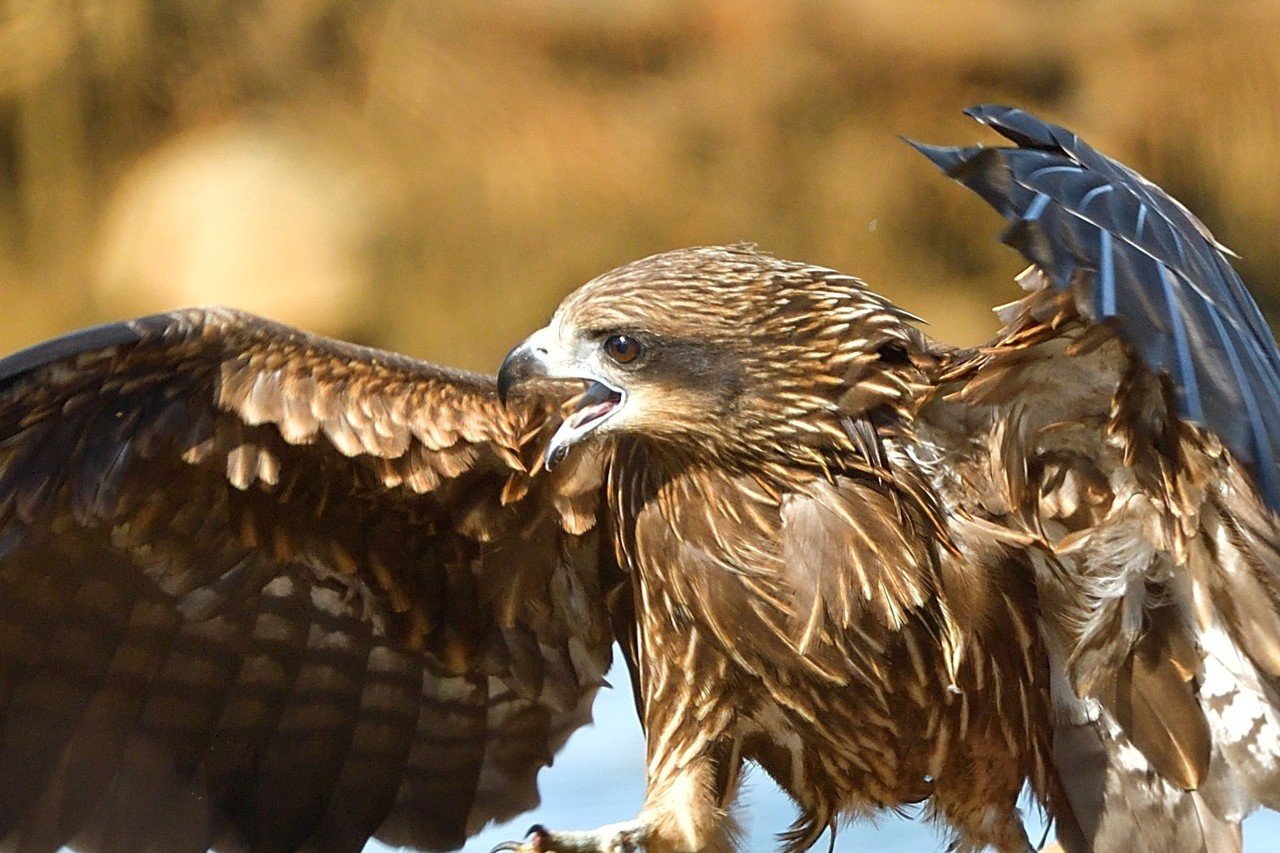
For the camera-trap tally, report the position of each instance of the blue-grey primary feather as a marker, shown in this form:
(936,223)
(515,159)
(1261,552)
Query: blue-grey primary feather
(1151,267)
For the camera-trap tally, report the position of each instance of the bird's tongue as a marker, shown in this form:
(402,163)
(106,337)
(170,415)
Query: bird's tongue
(594,403)
(588,410)
(581,417)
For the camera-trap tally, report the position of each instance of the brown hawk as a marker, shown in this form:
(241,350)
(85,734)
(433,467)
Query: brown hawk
(265,590)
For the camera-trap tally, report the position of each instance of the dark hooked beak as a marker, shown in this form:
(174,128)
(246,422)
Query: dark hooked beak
(523,363)
(596,402)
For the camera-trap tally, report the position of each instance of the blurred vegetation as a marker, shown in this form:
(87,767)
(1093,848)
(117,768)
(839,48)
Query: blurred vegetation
(433,176)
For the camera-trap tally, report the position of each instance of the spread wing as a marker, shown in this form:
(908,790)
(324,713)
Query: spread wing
(262,589)
(1126,424)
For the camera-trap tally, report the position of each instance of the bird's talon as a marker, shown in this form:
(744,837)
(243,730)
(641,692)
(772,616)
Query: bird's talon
(614,838)
(534,838)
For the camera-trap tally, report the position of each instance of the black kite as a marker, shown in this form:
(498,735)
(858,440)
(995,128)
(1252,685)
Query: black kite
(265,590)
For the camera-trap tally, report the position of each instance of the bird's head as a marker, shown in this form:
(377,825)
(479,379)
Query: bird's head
(723,350)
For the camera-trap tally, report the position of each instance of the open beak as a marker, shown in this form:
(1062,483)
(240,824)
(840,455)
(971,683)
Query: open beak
(582,414)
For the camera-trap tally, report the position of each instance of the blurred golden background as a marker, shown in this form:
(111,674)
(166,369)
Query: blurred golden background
(433,175)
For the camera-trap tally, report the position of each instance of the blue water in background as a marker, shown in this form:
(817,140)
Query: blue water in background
(598,778)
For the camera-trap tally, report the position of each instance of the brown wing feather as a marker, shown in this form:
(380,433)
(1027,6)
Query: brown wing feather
(265,589)
(1131,397)
(1167,724)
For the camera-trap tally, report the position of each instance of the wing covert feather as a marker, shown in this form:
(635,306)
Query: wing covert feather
(267,590)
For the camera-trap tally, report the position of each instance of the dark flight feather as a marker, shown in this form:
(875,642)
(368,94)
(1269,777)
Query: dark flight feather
(1147,264)
(247,581)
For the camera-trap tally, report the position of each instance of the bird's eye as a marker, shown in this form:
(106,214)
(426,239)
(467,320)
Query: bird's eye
(623,349)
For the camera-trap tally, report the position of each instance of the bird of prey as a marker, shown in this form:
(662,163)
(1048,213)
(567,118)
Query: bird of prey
(264,590)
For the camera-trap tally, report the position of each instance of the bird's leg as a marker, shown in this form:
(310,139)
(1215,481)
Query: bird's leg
(686,804)
(685,811)
(692,770)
